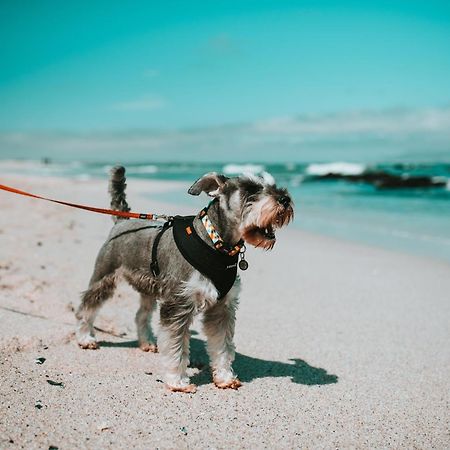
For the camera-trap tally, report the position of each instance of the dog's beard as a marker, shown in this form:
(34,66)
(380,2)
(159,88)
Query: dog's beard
(263,221)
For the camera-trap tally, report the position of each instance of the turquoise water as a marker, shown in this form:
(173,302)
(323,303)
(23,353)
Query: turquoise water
(418,222)
(414,220)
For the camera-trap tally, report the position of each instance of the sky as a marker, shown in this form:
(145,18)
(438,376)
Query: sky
(168,65)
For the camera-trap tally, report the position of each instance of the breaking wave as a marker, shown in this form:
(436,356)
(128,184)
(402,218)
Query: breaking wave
(341,168)
(237,169)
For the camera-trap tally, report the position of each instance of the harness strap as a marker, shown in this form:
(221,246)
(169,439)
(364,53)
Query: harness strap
(154,266)
(135,230)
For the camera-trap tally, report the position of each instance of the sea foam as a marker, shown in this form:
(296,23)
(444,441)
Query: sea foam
(249,170)
(341,168)
(236,169)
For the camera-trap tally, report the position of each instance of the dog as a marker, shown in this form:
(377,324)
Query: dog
(187,266)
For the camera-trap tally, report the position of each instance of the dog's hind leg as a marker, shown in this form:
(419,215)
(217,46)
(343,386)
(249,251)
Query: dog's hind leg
(143,316)
(218,325)
(100,289)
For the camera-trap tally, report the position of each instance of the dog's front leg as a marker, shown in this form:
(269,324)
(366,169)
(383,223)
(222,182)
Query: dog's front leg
(218,324)
(173,344)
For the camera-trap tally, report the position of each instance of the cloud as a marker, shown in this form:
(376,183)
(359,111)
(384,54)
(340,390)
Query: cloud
(223,45)
(385,122)
(151,73)
(404,135)
(143,104)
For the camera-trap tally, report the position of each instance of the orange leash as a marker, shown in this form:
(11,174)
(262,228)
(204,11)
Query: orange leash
(111,212)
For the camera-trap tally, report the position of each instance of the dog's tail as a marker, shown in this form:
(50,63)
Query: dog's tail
(116,189)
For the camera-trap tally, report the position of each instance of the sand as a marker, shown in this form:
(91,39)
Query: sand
(338,345)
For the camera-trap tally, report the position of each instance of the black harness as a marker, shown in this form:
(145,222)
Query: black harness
(218,267)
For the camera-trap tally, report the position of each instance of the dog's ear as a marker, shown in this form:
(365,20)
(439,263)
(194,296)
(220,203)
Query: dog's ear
(211,183)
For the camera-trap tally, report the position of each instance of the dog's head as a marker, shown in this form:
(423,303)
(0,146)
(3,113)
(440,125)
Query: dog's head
(254,206)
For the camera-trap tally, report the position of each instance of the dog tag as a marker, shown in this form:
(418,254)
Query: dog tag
(243,264)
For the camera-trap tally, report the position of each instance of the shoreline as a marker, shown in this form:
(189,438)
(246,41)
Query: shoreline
(338,344)
(172,191)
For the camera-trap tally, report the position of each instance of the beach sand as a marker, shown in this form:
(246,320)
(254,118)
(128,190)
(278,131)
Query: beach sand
(338,345)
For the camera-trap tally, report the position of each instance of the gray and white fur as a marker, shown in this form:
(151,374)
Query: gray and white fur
(248,208)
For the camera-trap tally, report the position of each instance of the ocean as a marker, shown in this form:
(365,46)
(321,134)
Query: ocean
(397,206)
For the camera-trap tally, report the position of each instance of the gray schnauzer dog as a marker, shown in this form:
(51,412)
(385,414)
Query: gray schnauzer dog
(187,266)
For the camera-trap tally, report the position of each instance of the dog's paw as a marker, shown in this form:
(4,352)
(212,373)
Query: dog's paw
(231,384)
(147,347)
(189,389)
(89,345)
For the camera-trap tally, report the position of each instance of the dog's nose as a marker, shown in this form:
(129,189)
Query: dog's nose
(284,200)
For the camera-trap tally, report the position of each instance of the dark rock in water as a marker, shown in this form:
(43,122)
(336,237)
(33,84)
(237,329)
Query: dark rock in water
(385,180)
(388,181)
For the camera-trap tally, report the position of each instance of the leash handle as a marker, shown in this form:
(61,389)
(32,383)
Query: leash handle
(111,212)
